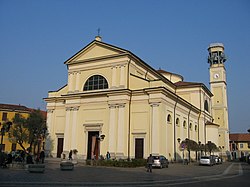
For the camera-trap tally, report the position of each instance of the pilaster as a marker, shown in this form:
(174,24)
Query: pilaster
(155,128)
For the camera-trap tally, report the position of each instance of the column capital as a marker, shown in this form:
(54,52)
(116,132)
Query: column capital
(154,104)
(75,108)
(121,105)
(112,106)
(50,110)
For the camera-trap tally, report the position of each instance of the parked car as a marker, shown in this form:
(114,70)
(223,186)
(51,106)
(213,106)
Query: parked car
(207,160)
(218,159)
(160,162)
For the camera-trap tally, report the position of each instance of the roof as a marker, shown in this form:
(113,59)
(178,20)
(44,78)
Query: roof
(167,72)
(13,107)
(122,51)
(183,84)
(211,123)
(239,137)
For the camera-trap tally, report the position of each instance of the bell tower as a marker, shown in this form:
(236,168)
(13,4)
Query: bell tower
(218,86)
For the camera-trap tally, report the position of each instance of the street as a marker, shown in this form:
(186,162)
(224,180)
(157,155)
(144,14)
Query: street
(227,174)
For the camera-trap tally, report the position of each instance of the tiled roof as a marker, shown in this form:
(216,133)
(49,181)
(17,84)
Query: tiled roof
(211,123)
(13,107)
(239,137)
(10,107)
(182,83)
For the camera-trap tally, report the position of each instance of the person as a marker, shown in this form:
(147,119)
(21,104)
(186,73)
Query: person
(70,155)
(108,156)
(29,159)
(150,161)
(42,156)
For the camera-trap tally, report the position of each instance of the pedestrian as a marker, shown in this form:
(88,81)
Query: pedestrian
(29,159)
(42,156)
(70,155)
(108,156)
(150,161)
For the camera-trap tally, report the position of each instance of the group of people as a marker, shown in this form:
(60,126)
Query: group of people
(20,157)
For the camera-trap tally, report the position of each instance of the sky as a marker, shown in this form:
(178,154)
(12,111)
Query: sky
(37,37)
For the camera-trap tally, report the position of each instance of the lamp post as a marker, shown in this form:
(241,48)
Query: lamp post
(199,157)
(179,140)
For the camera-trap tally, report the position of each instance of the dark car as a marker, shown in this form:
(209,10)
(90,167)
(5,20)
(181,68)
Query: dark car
(160,162)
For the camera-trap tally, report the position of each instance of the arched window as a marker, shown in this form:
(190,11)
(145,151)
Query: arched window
(195,127)
(206,106)
(177,121)
(169,118)
(190,126)
(95,82)
(184,124)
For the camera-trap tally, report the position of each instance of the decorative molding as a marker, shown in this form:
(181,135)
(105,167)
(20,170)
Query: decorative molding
(72,108)
(50,110)
(154,104)
(93,127)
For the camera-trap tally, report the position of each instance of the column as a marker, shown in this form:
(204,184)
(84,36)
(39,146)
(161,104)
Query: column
(120,133)
(66,142)
(49,120)
(122,76)
(155,128)
(113,84)
(77,86)
(112,134)
(74,129)
(48,142)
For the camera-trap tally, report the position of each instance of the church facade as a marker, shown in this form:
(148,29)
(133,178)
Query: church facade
(115,102)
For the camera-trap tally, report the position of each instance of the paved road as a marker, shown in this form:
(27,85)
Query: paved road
(232,174)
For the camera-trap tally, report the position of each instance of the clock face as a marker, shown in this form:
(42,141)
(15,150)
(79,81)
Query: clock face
(216,75)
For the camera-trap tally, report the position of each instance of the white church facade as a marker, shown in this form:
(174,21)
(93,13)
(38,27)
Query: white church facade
(114,101)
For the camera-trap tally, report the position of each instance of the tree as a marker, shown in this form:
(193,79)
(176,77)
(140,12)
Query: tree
(18,133)
(31,130)
(190,145)
(210,146)
(36,125)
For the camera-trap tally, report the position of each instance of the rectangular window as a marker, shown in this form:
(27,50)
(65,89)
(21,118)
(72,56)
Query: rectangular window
(241,145)
(4,116)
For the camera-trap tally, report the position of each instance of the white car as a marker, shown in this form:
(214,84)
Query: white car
(206,160)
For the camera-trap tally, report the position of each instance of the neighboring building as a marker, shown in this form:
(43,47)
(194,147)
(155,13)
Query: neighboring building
(116,102)
(239,145)
(7,113)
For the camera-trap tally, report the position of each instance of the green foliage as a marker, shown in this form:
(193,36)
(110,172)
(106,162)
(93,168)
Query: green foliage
(36,125)
(29,130)
(190,145)
(210,146)
(18,133)
(118,163)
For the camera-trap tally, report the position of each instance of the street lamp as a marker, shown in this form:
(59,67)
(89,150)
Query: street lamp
(179,140)
(199,150)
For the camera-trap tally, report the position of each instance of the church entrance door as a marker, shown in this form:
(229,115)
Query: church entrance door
(93,145)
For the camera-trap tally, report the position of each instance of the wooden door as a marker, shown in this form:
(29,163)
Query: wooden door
(59,147)
(139,144)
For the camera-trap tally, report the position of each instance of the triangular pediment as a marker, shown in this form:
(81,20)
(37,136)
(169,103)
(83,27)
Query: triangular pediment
(95,50)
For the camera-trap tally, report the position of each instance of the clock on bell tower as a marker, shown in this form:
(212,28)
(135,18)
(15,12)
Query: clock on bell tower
(218,86)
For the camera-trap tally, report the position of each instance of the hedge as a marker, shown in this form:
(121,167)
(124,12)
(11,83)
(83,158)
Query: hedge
(118,163)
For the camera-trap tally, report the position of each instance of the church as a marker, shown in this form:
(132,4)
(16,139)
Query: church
(115,102)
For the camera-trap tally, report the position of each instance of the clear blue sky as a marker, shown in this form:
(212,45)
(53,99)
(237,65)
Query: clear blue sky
(36,37)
